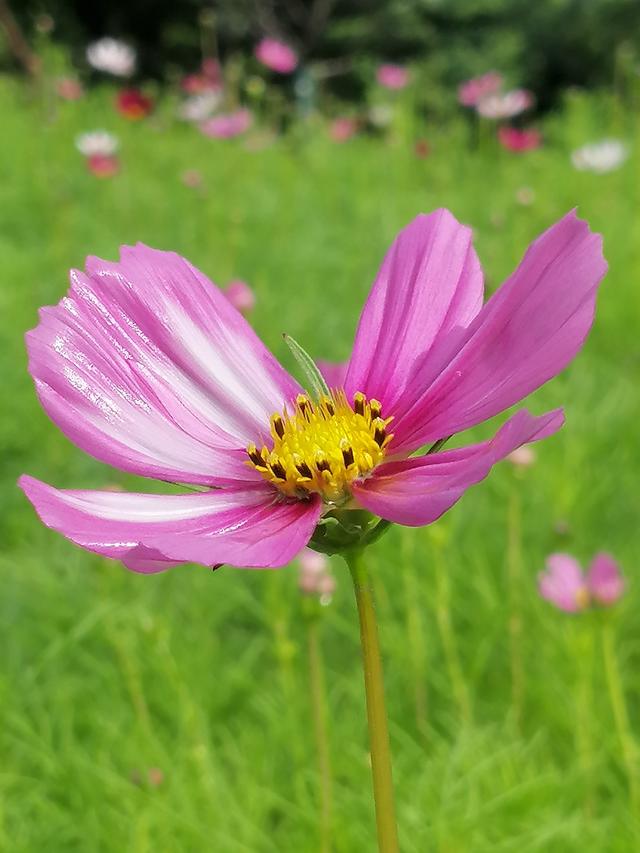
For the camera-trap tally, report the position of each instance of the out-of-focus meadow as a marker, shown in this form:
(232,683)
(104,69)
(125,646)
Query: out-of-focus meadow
(175,712)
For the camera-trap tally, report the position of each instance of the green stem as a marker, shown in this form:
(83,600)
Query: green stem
(620,714)
(320,726)
(376,711)
(515,612)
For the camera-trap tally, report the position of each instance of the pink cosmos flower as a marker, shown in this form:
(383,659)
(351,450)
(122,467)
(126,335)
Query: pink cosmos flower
(342,129)
(227,125)
(133,104)
(514,139)
(471,92)
(241,296)
(277,56)
(208,79)
(505,104)
(315,576)
(148,367)
(565,585)
(392,76)
(103,165)
(69,89)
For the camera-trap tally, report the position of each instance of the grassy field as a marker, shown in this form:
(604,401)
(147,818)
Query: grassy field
(507,720)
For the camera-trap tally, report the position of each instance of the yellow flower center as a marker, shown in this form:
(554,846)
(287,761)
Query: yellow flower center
(323,446)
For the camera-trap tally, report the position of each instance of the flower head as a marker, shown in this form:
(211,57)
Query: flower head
(227,125)
(69,89)
(133,104)
(518,140)
(241,296)
(342,129)
(314,577)
(471,92)
(505,104)
(198,108)
(392,76)
(146,365)
(600,157)
(97,142)
(208,79)
(277,56)
(112,56)
(103,165)
(566,586)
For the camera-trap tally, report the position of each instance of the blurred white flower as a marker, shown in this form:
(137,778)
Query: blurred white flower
(97,142)
(505,105)
(600,157)
(200,107)
(113,56)
(381,115)
(314,577)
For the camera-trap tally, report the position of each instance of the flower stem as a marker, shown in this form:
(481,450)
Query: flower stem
(376,711)
(320,725)
(514,575)
(620,714)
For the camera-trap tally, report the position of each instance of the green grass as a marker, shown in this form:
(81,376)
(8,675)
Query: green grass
(107,674)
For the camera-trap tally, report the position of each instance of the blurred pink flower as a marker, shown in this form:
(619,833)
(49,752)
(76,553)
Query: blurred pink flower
(392,76)
(471,92)
(342,129)
(422,149)
(208,79)
(277,56)
(241,296)
(315,576)
(522,457)
(515,139)
(227,125)
(103,165)
(69,89)
(192,178)
(566,586)
(133,104)
(505,104)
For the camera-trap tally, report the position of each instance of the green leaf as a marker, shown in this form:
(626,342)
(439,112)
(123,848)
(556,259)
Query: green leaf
(317,386)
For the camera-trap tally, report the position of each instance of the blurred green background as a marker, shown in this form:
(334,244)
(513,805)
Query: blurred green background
(174,712)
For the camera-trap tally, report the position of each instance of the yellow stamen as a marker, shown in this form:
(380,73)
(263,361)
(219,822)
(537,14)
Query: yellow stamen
(323,446)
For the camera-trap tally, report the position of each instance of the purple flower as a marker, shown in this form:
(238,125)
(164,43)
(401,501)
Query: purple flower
(277,56)
(565,585)
(392,76)
(148,367)
(227,125)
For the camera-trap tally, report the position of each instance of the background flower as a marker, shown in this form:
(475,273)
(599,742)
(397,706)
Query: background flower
(112,56)
(600,157)
(276,55)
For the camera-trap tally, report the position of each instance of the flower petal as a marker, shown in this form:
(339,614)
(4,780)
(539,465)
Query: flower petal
(563,583)
(418,491)
(604,579)
(429,287)
(245,527)
(147,366)
(333,372)
(527,332)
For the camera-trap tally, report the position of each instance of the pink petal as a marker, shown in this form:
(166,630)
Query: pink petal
(418,491)
(245,527)
(147,366)
(333,372)
(526,333)
(563,583)
(428,289)
(604,579)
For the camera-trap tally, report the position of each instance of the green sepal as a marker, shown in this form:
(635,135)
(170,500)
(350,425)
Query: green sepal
(317,386)
(346,530)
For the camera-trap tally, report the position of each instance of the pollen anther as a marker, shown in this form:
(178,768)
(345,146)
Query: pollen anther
(323,445)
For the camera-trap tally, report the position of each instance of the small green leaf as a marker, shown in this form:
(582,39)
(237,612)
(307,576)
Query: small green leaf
(317,386)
